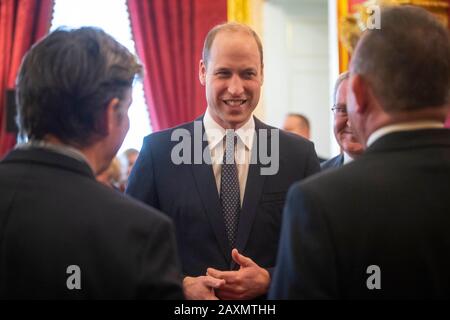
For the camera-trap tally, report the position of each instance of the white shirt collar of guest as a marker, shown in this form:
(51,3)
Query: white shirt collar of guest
(404,126)
(215,132)
(347,158)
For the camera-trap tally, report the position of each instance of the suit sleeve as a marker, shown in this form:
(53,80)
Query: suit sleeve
(160,274)
(306,264)
(312,164)
(141,183)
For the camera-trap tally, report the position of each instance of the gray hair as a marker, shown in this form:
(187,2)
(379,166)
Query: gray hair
(407,61)
(343,76)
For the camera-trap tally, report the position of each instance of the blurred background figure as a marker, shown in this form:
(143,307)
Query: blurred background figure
(111,177)
(127,160)
(299,124)
(130,156)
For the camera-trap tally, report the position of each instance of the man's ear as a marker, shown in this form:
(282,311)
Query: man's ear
(111,115)
(262,74)
(359,87)
(202,72)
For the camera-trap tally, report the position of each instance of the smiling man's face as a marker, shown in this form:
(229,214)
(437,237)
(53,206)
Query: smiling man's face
(342,129)
(233,77)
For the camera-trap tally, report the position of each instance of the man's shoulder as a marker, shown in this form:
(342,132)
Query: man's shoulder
(285,138)
(294,139)
(328,181)
(101,200)
(172,134)
(123,206)
(77,193)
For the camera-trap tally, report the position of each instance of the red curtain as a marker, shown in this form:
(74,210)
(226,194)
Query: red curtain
(447,123)
(22,23)
(169,37)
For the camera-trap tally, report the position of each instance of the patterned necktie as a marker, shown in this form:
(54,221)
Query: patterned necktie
(230,199)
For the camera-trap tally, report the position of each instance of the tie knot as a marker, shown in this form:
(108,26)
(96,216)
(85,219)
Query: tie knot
(230,136)
(230,144)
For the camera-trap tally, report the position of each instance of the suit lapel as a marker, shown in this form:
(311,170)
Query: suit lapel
(207,189)
(252,195)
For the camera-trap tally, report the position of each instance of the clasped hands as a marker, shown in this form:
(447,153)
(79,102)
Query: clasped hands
(249,282)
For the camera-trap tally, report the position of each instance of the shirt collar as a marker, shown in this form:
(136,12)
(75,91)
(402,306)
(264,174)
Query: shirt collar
(347,158)
(61,149)
(404,126)
(215,132)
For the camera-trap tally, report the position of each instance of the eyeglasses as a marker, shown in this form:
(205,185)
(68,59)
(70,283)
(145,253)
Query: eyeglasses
(340,110)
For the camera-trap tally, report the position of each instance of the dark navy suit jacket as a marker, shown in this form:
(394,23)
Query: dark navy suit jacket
(389,208)
(54,214)
(188,194)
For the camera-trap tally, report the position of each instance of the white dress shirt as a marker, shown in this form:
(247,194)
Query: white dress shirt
(347,158)
(215,135)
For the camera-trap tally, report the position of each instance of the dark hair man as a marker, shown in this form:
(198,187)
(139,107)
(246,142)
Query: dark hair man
(63,234)
(349,144)
(227,213)
(378,227)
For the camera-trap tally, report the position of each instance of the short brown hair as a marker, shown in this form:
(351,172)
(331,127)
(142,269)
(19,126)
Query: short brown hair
(230,27)
(407,61)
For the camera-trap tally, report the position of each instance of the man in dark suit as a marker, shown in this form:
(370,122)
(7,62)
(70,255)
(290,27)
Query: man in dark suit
(218,185)
(379,226)
(63,235)
(350,146)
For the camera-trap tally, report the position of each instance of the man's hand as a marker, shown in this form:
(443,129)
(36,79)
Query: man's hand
(201,288)
(249,282)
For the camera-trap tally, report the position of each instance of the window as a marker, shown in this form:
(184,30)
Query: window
(112,17)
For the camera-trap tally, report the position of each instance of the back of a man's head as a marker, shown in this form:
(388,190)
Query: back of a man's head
(407,61)
(66,82)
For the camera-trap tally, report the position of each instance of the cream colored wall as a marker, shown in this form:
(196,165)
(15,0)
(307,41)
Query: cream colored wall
(257,16)
(250,12)
(297,66)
